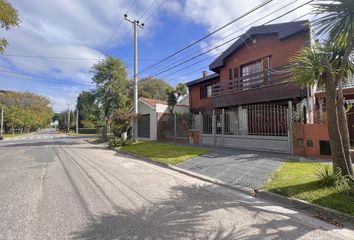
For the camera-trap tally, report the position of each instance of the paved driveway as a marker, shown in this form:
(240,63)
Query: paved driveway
(235,166)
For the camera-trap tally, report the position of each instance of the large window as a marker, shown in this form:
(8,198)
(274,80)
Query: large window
(251,70)
(206,91)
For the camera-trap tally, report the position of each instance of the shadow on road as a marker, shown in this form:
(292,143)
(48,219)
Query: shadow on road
(184,216)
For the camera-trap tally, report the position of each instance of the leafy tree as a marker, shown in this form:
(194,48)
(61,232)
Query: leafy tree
(89,112)
(153,88)
(112,89)
(321,65)
(337,22)
(8,18)
(25,111)
(173,94)
(62,119)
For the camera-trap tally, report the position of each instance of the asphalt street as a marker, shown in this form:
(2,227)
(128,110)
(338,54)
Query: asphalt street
(66,188)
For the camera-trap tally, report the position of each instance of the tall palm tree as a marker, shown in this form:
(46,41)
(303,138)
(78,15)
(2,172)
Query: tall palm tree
(321,64)
(337,25)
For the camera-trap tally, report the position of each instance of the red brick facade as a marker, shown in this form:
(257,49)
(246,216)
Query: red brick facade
(261,46)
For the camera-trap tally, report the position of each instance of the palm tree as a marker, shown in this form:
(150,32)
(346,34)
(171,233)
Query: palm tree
(321,65)
(337,24)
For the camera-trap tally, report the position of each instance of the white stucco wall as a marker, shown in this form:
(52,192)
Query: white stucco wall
(145,109)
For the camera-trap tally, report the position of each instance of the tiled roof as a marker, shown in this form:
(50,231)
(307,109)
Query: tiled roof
(283,30)
(202,79)
(152,102)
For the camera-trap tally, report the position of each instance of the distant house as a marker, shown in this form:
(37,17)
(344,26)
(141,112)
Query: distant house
(244,102)
(151,111)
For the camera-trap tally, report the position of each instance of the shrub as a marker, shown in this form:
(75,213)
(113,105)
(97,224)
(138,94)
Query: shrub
(1,137)
(331,178)
(118,142)
(88,130)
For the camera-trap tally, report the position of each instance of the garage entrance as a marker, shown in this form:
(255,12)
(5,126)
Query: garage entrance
(144,126)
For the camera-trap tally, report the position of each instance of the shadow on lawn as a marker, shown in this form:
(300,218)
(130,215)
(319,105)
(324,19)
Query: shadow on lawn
(186,215)
(339,200)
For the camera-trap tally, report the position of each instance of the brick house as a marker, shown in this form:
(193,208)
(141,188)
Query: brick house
(245,101)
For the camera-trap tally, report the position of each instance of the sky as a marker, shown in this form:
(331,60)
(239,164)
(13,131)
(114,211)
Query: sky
(56,44)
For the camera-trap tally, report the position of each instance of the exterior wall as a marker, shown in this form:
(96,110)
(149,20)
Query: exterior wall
(261,143)
(265,46)
(195,102)
(305,134)
(145,109)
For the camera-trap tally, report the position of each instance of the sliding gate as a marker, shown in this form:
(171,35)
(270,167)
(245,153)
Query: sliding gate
(258,127)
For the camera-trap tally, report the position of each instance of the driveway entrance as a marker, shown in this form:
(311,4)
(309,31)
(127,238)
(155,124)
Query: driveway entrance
(235,166)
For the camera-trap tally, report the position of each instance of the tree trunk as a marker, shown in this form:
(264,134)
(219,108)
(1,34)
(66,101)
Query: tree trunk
(337,150)
(343,127)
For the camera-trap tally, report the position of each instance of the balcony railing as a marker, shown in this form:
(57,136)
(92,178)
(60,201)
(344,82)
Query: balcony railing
(266,78)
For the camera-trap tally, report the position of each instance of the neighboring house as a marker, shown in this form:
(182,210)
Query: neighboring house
(150,111)
(244,103)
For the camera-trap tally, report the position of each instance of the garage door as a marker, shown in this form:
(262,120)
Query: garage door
(144,126)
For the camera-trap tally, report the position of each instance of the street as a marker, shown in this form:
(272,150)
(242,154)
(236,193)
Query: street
(59,187)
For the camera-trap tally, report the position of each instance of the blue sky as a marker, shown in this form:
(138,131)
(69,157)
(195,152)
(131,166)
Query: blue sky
(57,42)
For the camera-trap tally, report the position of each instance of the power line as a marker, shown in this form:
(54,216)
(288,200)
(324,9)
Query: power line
(119,24)
(157,8)
(186,74)
(32,77)
(234,32)
(70,58)
(148,9)
(208,35)
(211,49)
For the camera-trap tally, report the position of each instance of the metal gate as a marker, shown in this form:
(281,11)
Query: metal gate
(144,126)
(257,127)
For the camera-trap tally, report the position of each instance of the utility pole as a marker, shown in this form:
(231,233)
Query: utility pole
(135,24)
(77,120)
(2,121)
(68,117)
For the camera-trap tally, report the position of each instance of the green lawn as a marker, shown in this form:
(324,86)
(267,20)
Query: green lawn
(297,180)
(164,152)
(73,134)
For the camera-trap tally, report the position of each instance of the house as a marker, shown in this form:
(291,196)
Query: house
(151,112)
(246,101)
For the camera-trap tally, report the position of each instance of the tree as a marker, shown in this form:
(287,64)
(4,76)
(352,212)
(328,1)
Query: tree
(89,112)
(8,18)
(153,88)
(173,94)
(25,111)
(337,22)
(321,65)
(112,89)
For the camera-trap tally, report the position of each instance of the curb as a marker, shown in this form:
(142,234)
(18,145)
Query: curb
(246,190)
(326,214)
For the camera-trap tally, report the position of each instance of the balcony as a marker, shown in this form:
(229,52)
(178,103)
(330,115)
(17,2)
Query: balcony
(270,85)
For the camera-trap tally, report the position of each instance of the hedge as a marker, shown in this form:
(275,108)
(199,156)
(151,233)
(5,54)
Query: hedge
(88,130)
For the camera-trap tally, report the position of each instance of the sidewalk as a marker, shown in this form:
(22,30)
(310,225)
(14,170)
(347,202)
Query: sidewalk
(236,167)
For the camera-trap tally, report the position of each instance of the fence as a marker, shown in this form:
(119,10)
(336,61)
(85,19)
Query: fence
(175,127)
(259,126)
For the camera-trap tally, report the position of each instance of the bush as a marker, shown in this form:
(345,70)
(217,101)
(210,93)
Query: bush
(118,142)
(1,137)
(331,178)
(88,130)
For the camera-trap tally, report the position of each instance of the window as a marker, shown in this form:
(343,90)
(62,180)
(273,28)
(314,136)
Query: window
(252,70)
(233,73)
(206,91)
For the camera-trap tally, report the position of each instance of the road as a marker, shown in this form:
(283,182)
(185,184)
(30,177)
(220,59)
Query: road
(65,188)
